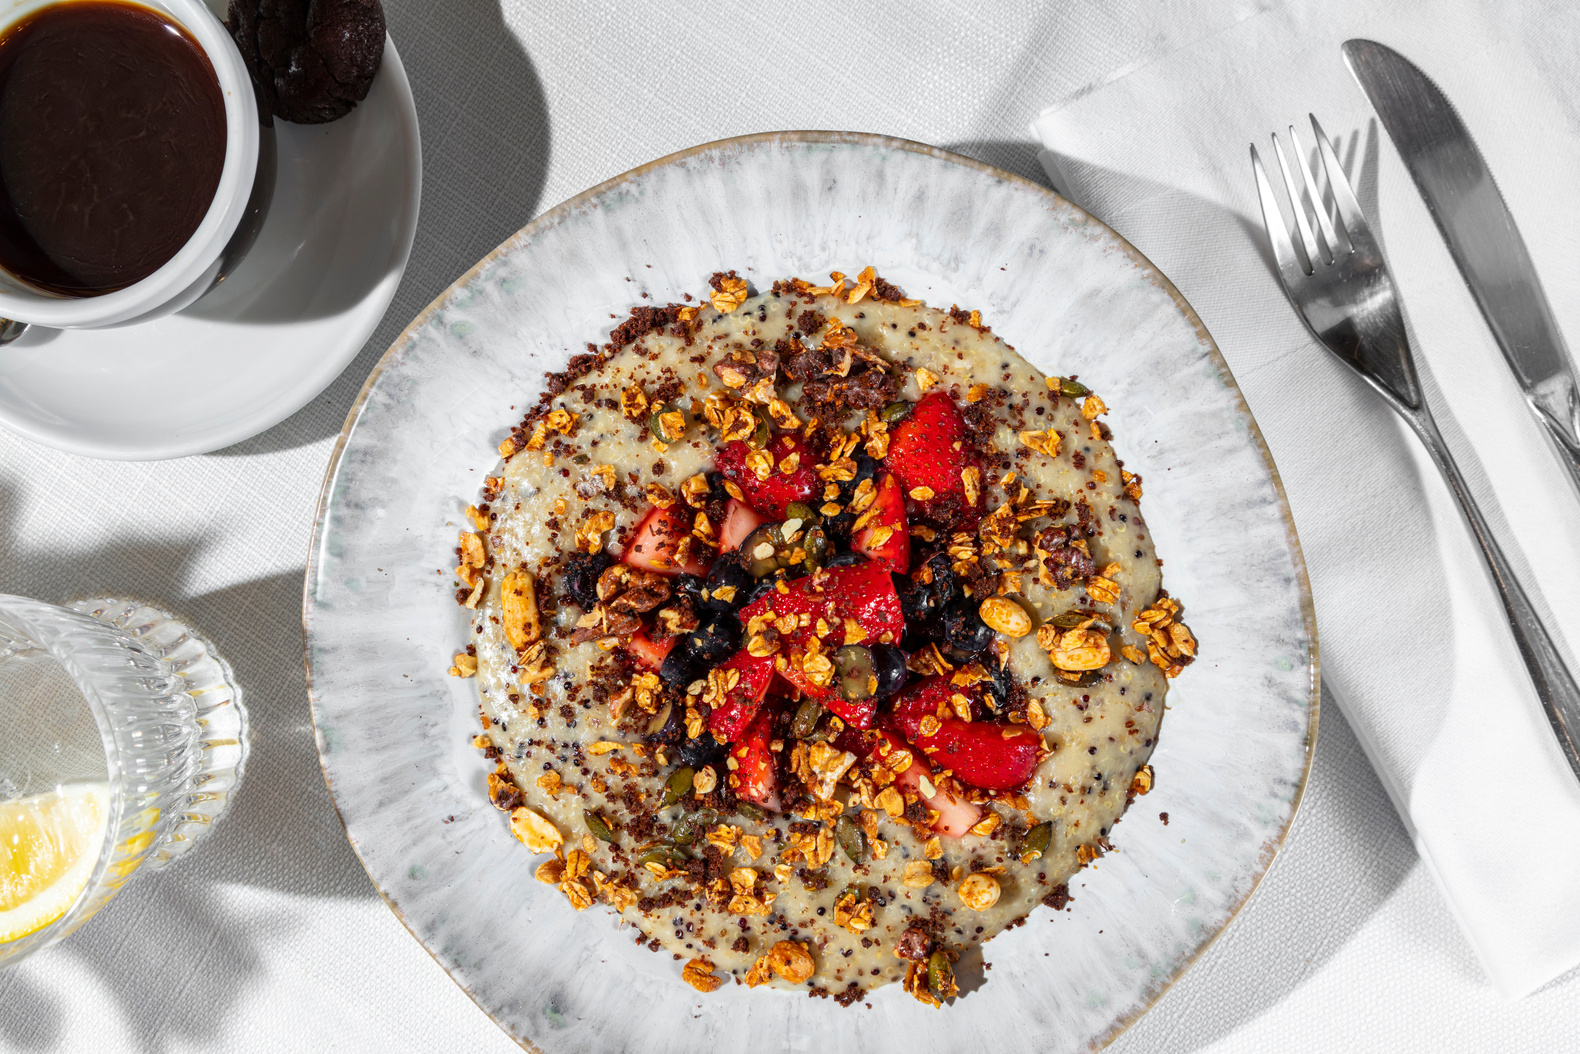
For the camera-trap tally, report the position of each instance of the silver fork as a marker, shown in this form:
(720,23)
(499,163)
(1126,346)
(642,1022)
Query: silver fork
(1344,294)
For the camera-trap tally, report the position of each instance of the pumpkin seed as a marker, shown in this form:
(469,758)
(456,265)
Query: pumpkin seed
(851,839)
(940,975)
(805,720)
(598,826)
(667,855)
(1072,387)
(855,668)
(800,510)
(1036,840)
(750,811)
(895,412)
(678,785)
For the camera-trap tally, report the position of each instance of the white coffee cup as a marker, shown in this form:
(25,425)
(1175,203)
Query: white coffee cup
(192,271)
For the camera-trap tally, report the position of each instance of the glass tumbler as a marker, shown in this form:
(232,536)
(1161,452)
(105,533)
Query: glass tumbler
(122,739)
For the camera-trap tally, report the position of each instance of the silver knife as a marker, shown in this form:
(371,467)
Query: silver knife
(1475,222)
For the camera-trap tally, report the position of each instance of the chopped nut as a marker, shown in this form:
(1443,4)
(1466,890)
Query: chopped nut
(1042,442)
(1005,616)
(1080,649)
(1143,781)
(1036,716)
(1092,407)
(890,801)
(535,830)
(934,849)
(705,780)
(463,665)
(979,891)
(971,479)
(551,784)
(633,403)
(925,378)
(519,609)
(699,972)
(791,961)
(918,874)
(977,392)
(730,295)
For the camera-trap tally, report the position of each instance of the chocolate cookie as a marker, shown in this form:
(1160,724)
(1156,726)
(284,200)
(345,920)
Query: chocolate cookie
(312,61)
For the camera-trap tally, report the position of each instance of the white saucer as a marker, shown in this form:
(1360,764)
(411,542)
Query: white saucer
(257,349)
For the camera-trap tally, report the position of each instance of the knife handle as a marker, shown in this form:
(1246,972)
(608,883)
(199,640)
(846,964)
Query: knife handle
(1555,686)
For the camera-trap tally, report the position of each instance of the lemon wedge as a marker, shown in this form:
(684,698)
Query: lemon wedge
(48,846)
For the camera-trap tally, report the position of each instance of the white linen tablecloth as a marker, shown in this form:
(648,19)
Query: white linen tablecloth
(271,938)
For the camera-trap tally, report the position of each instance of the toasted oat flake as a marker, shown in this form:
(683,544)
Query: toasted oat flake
(922,493)
(918,874)
(705,780)
(1143,780)
(535,830)
(604,746)
(1043,442)
(925,378)
(1093,406)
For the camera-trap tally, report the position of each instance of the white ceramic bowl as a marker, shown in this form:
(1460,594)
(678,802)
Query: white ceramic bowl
(191,271)
(394,732)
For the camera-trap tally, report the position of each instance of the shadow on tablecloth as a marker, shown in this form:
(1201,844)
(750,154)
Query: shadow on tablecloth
(188,938)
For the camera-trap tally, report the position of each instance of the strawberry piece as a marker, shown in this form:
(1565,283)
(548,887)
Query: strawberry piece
(888,511)
(752,773)
(991,755)
(740,520)
(928,449)
(650,653)
(956,816)
(656,540)
(771,495)
(730,719)
(917,701)
(864,593)
(985,754)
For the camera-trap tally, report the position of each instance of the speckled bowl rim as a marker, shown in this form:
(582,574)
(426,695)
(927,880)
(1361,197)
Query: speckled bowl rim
(1145,266)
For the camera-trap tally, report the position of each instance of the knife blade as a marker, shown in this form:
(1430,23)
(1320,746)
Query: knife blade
(1469,211)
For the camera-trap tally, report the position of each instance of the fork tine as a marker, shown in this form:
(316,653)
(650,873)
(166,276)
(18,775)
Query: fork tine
(1308,241)
(1289,265)
(1317,205)
(1349,209)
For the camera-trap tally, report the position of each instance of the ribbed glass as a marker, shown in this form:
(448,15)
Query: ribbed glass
(173,726)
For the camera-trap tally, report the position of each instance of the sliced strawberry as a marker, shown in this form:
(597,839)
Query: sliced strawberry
(917,701)
(928,449)
(985,754)
(771,495)
(740,520)
(647,651)
(729,720)
(956,816)
(864,593)
(752,770)
(888,516)
(991,755)
(657,538)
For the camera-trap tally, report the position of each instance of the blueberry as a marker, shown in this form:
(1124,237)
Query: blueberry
(679,667)
(888,662)
(695,753)
(727,572)
(1000,695)
(581,576)
(714,641)
(964,630)
(846,560)
(689,585)
(761,589)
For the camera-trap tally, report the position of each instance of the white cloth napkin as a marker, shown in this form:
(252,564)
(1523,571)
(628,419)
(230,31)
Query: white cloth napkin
(1413,642)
